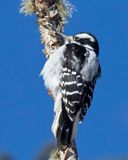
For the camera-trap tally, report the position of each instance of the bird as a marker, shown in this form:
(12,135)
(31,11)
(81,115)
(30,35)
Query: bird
(70,74)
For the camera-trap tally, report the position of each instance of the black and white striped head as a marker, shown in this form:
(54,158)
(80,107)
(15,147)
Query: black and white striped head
(84,39)
(87,40)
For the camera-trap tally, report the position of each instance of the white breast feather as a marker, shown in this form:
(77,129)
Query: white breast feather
(57,110)
(52,69)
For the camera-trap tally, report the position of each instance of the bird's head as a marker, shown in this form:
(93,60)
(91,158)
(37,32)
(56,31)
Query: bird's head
(87,40)
(84,39)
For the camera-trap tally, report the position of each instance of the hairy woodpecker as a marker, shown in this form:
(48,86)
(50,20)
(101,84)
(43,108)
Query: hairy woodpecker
(70,74)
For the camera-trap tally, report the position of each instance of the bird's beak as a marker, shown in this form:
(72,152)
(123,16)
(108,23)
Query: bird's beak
(67,39)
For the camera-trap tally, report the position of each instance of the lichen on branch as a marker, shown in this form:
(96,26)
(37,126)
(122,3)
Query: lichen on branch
(51,17)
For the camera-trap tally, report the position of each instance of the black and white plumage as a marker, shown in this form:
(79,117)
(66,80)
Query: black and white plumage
(70,74)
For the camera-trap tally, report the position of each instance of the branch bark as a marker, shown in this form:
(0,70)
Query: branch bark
(51,17)
(50,22)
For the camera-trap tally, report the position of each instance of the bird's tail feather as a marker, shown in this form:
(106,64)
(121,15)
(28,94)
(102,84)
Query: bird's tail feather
(64,131)
(62,127)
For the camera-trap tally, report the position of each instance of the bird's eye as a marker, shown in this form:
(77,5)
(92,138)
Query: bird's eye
(76,38)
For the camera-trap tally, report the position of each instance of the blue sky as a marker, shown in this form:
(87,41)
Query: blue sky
(26,111)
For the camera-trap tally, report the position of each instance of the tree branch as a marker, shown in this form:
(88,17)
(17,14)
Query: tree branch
(51,17)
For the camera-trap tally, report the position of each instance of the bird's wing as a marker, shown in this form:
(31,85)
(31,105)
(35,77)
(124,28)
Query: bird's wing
(77,91)
(76,94)
(72,88)
(86,98)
